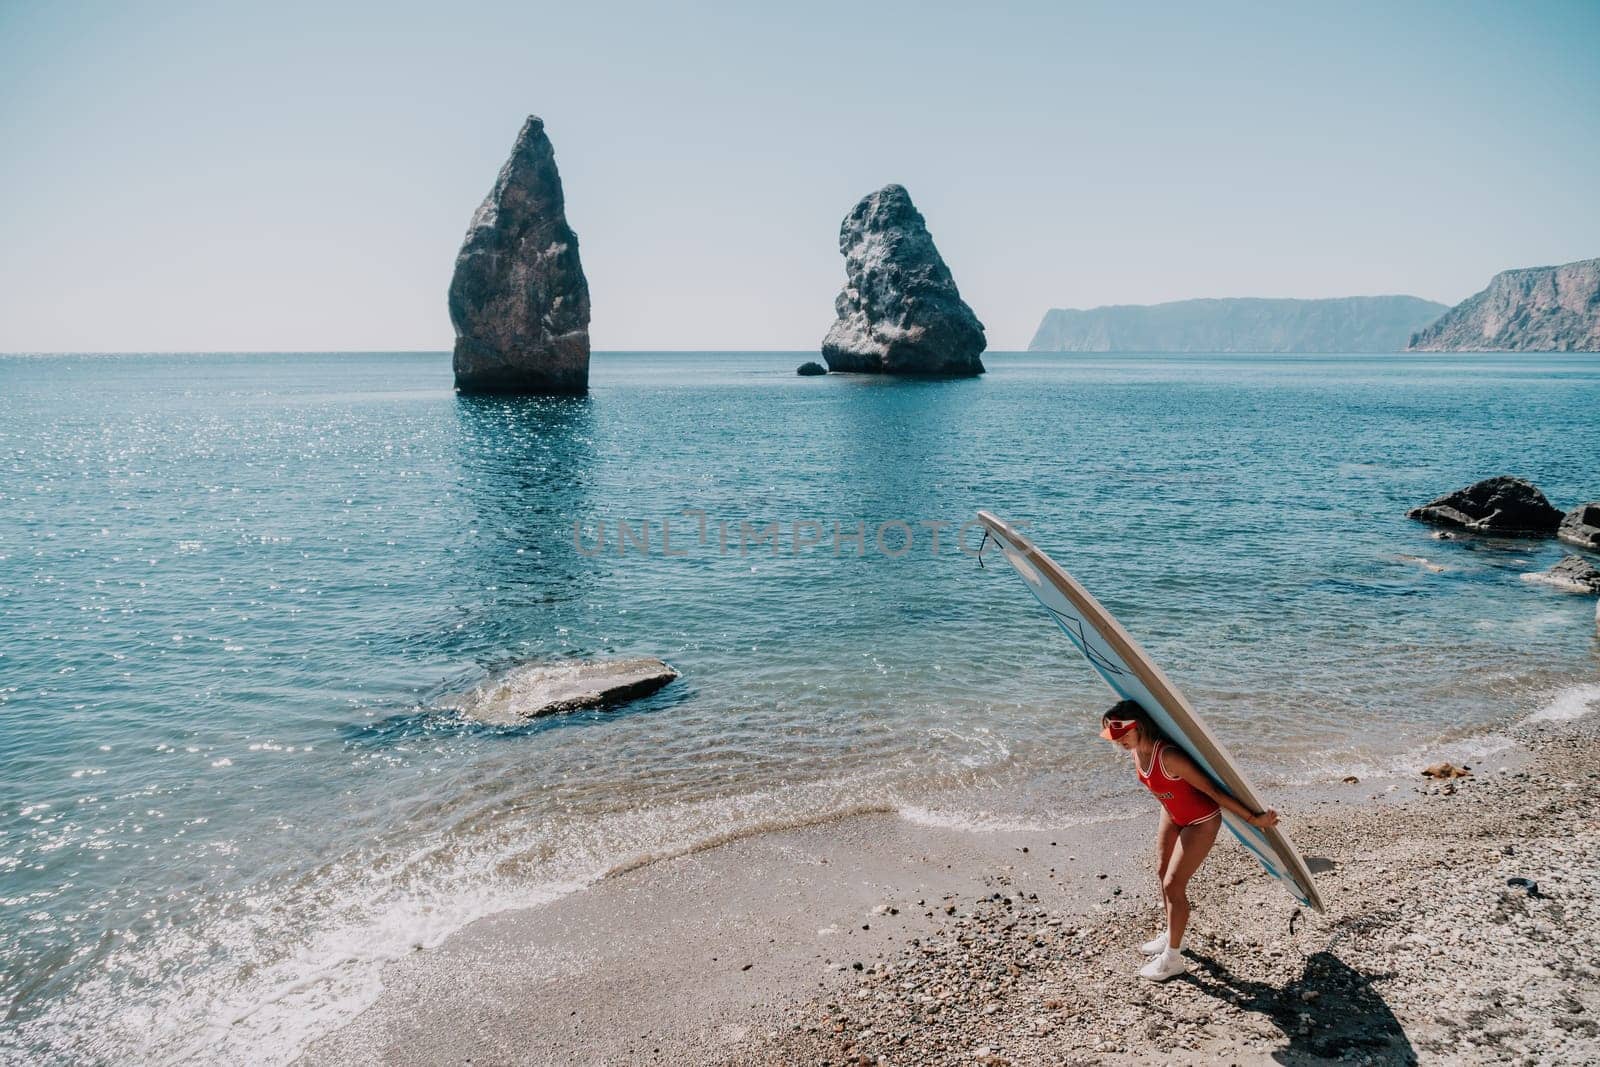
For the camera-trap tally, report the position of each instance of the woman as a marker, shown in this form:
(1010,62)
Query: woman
(1191,813)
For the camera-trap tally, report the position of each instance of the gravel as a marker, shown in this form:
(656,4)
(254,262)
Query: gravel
(1460,929)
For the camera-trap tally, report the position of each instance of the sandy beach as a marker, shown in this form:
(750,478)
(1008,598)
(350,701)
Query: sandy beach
(878,940)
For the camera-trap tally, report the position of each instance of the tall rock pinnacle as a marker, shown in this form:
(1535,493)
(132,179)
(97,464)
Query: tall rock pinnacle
(518,299)
(899,311)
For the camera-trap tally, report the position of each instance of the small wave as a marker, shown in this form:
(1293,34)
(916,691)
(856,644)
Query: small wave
(1424,562)
(265,974)
(1532,625)
(1332,766)
(989,823)
(268,1016)
(755,829)
(1572,702)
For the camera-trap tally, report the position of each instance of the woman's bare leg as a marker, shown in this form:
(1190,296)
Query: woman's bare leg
(1194,844)
(1166,841)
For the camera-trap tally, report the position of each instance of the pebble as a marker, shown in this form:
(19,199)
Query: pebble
(1430,949)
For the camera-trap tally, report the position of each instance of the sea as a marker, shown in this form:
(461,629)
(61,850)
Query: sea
(237,592)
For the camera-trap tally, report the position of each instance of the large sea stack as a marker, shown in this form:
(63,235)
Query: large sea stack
(519,301)
(1535,309)
(899,311)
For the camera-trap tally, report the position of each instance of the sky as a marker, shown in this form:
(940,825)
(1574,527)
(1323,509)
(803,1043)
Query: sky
(286,176)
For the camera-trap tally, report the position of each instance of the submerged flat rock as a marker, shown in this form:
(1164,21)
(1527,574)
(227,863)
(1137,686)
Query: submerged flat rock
(534,690)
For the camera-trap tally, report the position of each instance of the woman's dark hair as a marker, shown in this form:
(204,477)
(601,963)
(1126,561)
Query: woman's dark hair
(1132,709)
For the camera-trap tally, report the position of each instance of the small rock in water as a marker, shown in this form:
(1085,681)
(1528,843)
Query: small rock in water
(1447,770)
(538,689)
(1581,526)
(1503,505)
(811,369)
(1573,572)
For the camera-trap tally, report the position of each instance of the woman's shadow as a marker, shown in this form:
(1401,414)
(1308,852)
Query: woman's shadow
(1347,1017)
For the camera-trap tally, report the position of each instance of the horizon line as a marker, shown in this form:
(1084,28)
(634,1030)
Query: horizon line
(386,351)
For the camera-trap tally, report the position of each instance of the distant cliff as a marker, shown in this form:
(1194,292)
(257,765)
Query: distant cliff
(1246,324)
(1535,309)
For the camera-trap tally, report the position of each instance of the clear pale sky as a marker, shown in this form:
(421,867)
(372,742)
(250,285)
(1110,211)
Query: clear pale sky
(281,176)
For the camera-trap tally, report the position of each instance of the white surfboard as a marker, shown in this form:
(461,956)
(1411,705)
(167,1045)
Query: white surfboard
(1131,674)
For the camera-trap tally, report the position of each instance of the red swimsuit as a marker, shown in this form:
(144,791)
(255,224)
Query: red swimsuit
(1186,804)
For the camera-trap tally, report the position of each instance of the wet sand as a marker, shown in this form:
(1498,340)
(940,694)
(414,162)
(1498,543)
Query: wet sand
(687,958)
(874,940)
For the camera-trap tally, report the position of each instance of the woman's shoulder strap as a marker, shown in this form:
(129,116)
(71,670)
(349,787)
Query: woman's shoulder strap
(1161,761)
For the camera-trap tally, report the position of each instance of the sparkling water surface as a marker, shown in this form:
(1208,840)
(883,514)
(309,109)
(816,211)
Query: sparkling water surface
(235,588)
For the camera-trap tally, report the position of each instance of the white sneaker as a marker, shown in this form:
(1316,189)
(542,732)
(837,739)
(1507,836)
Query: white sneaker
(1169,964)
(1156,945)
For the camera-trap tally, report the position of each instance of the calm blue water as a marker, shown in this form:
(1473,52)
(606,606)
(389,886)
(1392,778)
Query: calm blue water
(233,590)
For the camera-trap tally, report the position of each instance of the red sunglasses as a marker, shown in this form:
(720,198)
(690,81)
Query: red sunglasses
(1115,728)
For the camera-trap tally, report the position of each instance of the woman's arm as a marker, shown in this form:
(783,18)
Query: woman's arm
(1179,763)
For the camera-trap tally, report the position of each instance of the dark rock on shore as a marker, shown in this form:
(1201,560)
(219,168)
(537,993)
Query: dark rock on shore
(1535,309)
(538,689)
(1573,572)
(810,369)
(1581,526)
(899,311)
(1504,505)
(519,300)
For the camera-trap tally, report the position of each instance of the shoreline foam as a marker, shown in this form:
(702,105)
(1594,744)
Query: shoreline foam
(747,952)
(280,1024)
(1569,702)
